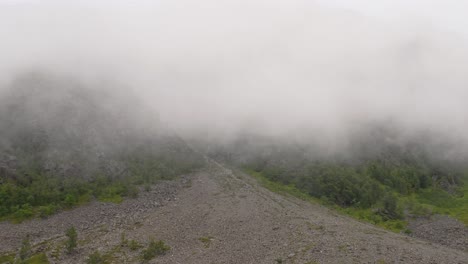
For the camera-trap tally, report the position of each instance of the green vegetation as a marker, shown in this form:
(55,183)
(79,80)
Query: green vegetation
(71,242)
(8,258)
(155,248)
(377,191)
(134,245)
(380,172)
(131,244)
(25,255)
(25,250)
(35,191)
(359,213)
(441,202)
(96,258)
(206,241)
(352,186)
(40,258)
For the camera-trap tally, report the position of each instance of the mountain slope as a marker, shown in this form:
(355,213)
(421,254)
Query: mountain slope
(226,217)
(64,143)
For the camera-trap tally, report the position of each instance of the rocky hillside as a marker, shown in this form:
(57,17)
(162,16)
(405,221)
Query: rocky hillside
(63,143)
(218,216)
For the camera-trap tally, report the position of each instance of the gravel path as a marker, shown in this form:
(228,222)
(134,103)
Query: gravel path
(226,217)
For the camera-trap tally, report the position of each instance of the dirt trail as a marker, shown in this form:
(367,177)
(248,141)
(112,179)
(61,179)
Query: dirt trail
(226,217)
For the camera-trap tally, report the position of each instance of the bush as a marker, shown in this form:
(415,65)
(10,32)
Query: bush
(95,258)
(47,210)
(390,208)
(419,209)
(134,245)
(70,200)
(155,248)
(408,231)
(72,239)
(132,192)
(25,250)
(25,212)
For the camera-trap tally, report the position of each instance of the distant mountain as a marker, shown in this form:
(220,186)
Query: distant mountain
(55,129)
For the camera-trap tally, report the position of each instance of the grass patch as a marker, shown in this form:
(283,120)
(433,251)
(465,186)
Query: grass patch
(38,259)
(206,241)
(134,245)
(280,188)
(115,198)
(7,258)
(368,215)
(155,248)
(441,202)
(104,258)
(96,258)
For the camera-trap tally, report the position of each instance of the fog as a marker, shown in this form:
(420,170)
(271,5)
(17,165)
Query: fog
(218,68)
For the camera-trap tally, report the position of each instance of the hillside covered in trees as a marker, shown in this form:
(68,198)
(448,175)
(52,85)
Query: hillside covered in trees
(63,143)
(379,176)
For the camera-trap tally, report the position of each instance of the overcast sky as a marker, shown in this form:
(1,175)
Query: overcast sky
(273,65)
(448,15)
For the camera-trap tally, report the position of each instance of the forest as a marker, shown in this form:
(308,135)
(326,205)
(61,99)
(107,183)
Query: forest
(380,181)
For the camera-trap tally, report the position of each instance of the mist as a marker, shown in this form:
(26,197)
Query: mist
(217,69)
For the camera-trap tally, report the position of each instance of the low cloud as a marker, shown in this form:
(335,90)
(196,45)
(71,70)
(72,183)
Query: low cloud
(211,68)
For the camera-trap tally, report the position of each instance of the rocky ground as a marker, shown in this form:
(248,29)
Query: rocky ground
(440,229)
(89,220)
(217,216)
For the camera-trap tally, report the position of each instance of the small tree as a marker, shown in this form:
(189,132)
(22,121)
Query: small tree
(72,239)
(390,208)
(25,250)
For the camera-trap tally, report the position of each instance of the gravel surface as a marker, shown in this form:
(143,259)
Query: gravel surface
(224,217)
(440,229)
(88,217)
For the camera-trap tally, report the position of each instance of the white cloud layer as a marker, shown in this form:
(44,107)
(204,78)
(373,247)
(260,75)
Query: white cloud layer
(270,66)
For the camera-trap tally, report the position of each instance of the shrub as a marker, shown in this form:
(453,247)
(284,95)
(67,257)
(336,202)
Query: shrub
(25,250)
(25,212)
(132,192)
(72,239)
(95,258)
(155,248)
(134,245)
(390,208)
(47,210)
(70,200)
